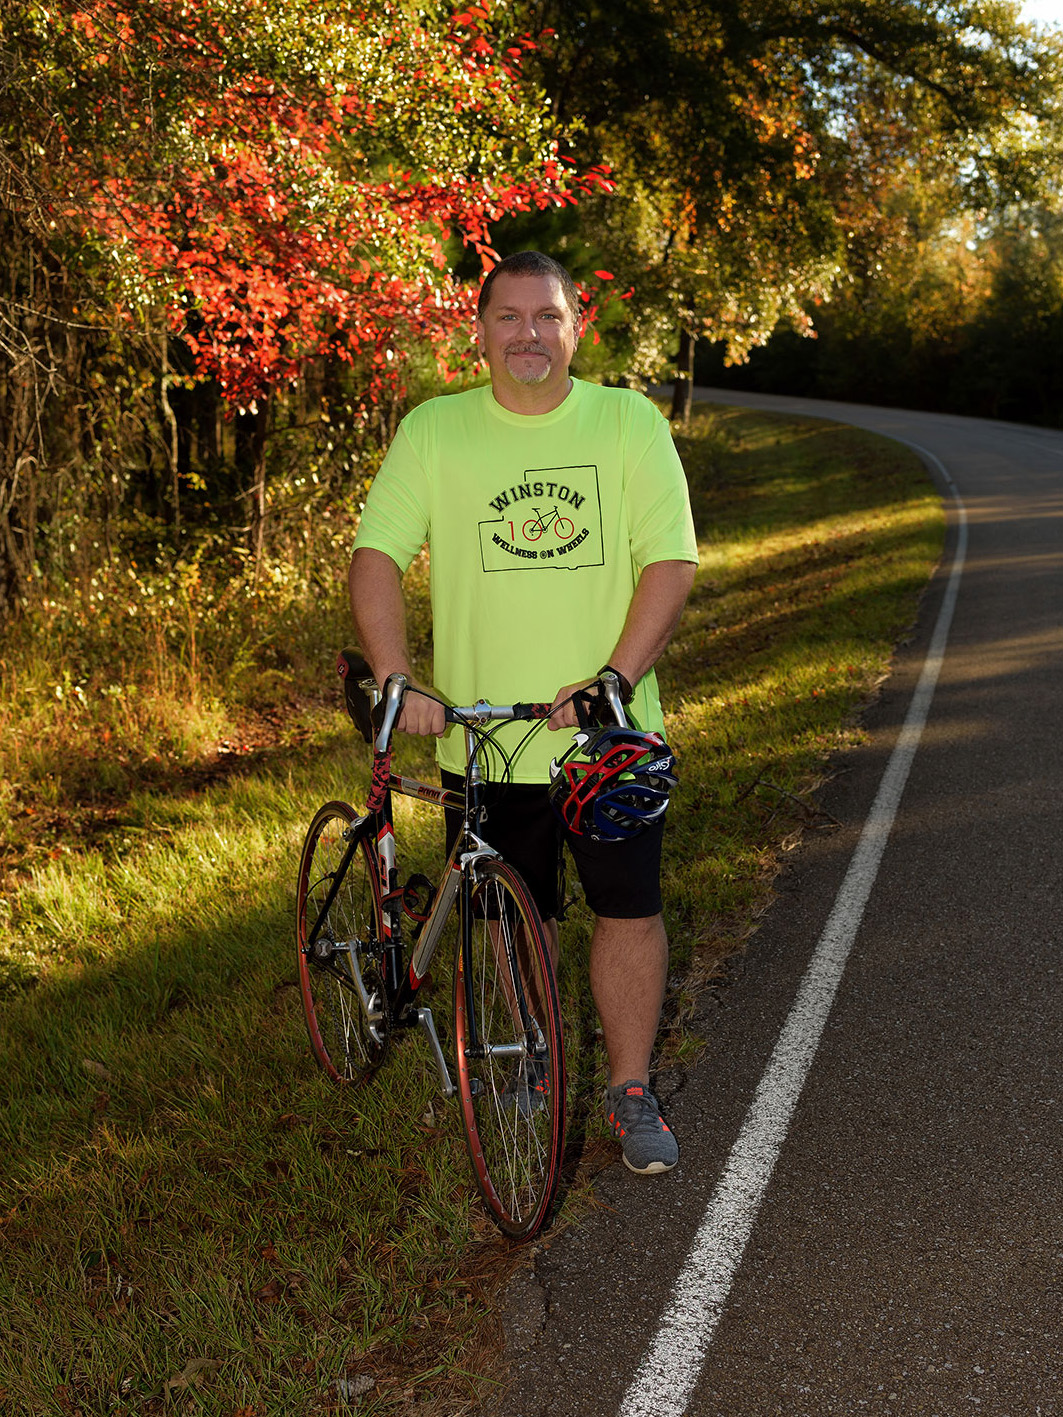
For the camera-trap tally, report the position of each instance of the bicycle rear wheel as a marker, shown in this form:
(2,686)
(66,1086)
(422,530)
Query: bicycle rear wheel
(340,976)
(510,1059)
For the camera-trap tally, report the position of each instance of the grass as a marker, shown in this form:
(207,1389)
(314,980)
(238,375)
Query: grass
(194,1220)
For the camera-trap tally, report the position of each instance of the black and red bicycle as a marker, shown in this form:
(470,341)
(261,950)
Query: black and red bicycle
(366,941)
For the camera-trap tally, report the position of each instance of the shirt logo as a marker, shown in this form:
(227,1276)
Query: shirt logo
(551,520)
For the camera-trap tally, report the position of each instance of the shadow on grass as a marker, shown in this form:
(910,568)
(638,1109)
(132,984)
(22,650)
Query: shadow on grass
(183,1183)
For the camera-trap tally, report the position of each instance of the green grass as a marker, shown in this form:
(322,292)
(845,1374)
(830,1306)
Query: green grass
(193,1219)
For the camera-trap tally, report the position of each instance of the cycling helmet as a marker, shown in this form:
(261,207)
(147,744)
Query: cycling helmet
(612,783)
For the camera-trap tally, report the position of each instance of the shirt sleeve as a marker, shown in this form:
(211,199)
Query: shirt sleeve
(397,518)
(660,524)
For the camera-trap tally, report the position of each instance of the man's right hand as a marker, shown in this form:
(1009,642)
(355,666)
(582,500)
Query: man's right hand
(420,715)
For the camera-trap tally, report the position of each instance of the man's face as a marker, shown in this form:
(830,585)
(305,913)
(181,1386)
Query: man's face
(527,334)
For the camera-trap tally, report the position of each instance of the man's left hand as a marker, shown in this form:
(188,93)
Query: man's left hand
(563,712)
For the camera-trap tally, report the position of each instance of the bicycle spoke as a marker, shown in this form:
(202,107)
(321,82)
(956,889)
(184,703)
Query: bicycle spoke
(348,1040)
(510,1063)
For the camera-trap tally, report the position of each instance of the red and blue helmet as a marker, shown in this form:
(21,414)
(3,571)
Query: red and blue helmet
(613,783)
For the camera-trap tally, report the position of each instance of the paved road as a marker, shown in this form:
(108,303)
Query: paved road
(907,1257)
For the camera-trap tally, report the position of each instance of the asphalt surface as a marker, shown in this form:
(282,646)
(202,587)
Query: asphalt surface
(907,1256)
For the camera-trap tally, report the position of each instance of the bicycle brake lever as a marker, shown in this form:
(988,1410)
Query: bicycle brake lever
(395,686)
(611,689)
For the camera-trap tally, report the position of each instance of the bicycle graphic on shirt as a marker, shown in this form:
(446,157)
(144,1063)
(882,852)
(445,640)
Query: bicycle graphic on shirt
(533,529)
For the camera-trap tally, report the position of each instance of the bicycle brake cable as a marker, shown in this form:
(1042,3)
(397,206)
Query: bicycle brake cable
(485,739)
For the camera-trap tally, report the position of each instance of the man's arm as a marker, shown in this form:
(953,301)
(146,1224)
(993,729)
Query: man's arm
(652,616)
(374,583)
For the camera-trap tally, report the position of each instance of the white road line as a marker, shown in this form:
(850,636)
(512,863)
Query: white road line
(670,1370)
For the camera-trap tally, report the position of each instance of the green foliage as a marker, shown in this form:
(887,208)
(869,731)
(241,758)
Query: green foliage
(209,208)
(752,144)
(963,318)
(281,201)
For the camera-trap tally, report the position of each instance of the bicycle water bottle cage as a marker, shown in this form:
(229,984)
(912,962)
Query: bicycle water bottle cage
(352,669)
(416,898)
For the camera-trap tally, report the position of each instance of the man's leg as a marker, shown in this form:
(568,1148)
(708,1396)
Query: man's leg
(629,970)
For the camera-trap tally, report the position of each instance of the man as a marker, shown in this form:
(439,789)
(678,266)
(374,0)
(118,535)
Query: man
(561,541)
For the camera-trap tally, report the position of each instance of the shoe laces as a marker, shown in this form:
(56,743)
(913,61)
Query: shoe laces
(631,1105)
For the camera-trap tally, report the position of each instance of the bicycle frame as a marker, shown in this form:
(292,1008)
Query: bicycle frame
(361,973)
(403,979)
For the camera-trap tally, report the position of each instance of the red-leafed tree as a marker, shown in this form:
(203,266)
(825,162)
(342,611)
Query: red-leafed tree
(279,184)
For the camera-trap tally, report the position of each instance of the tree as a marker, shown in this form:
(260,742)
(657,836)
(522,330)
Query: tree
(743,136)
(271,187)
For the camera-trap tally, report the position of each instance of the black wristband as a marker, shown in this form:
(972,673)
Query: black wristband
(627,693)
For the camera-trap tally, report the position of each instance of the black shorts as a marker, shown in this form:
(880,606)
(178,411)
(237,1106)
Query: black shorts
(621,879)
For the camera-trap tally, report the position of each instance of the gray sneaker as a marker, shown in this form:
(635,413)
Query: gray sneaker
(527,1089)
(638,1126)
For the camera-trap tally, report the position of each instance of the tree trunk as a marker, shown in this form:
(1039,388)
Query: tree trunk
(683,393)
(171,424)
(26,374)
(251,461)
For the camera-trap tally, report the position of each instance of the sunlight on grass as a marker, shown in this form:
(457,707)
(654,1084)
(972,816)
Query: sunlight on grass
(181,1185)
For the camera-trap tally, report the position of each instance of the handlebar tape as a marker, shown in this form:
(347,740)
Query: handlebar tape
(378,786)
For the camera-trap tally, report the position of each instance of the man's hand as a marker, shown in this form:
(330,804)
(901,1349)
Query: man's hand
(563,714)
(420,715)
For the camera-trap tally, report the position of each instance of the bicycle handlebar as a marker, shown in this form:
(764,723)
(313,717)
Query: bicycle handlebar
(483,712)
(395,689)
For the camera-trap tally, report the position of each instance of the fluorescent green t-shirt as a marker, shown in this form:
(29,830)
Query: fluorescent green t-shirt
(538,528)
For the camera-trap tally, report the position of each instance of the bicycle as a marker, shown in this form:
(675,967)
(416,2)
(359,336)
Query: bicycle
(563,526)
(360,981)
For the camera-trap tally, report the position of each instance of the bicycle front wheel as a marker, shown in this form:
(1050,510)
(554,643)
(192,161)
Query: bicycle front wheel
(340,946)
(510,1059)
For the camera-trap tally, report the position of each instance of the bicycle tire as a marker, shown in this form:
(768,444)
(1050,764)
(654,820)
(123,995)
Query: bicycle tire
(512,1102)
(349,1040)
